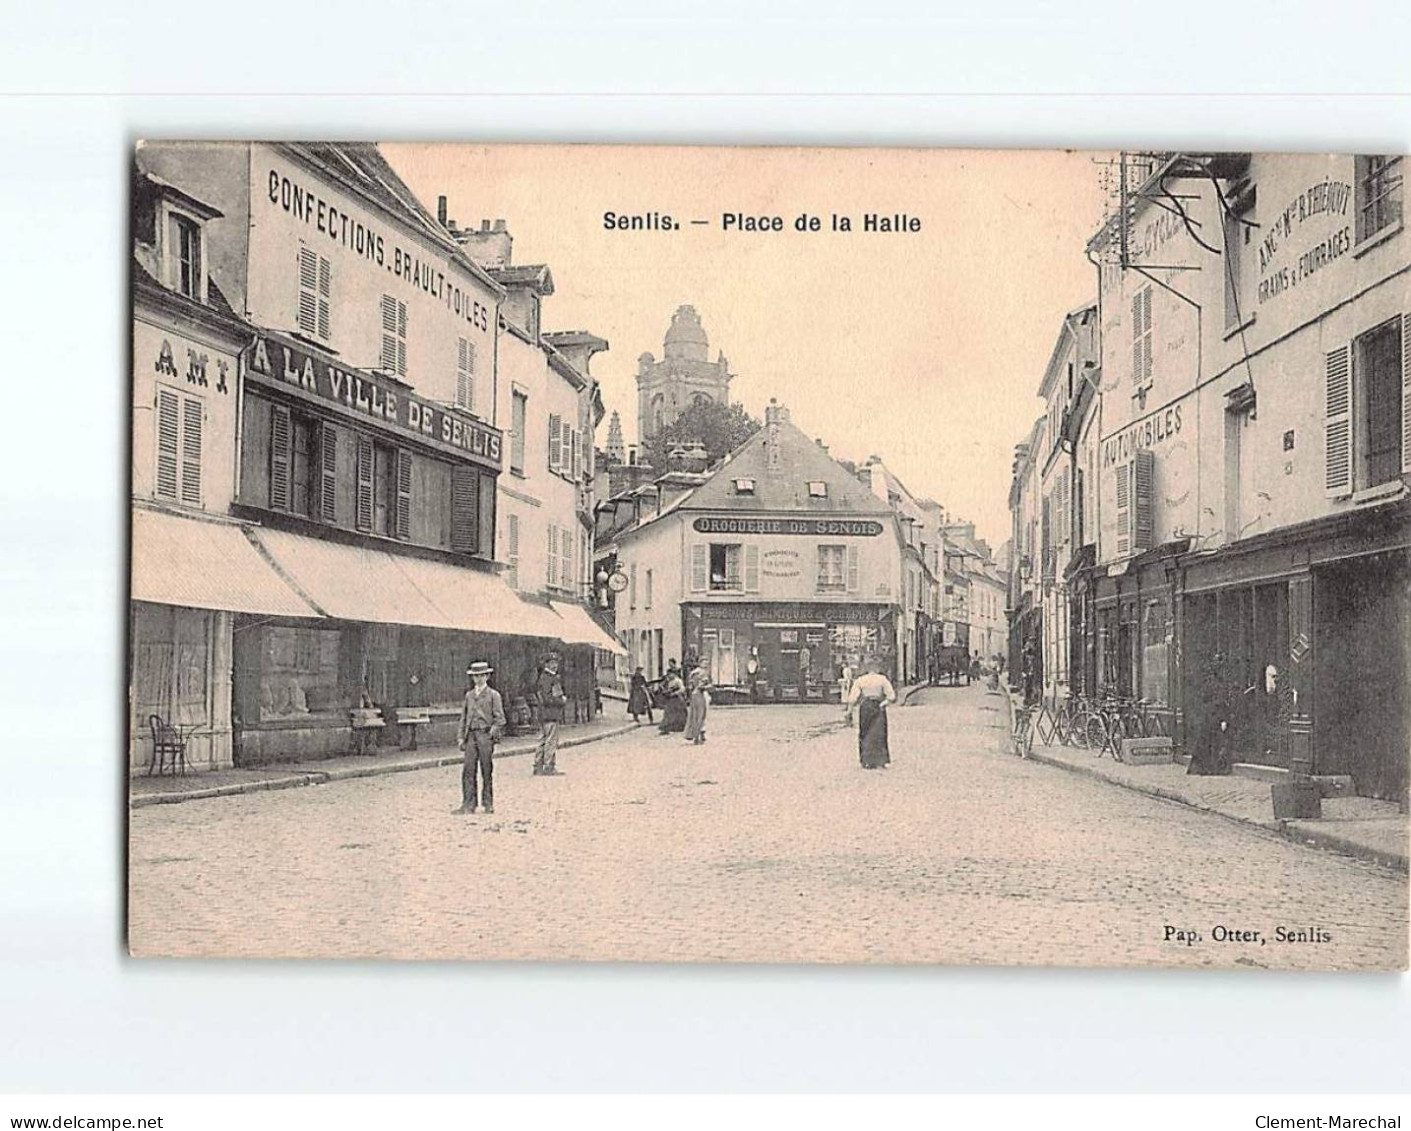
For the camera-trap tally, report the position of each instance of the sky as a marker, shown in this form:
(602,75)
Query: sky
(925,347)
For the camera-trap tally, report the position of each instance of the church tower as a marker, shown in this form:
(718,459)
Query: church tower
(616,449)
(684,375)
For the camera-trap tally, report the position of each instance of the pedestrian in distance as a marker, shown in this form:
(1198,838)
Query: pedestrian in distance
(673,700)
(698,691)
(845,678)
(871,693)
(550,695)
(482,725)
(639,699)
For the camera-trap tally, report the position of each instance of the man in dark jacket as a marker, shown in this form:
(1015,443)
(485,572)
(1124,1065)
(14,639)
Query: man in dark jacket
(549,692)
(482,724)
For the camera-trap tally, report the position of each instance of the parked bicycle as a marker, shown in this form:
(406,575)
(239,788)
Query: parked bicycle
(1022,737)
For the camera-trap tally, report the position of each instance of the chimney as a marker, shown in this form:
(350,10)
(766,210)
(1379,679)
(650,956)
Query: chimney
(775,413)
(819,441)
(490,246)
(441,211)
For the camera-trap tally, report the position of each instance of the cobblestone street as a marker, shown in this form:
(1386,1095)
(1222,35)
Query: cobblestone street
(768,843)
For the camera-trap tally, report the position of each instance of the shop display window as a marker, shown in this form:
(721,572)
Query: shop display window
(299,673)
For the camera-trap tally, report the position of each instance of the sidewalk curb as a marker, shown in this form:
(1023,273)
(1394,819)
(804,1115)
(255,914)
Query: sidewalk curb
(1295,831)
(349,773)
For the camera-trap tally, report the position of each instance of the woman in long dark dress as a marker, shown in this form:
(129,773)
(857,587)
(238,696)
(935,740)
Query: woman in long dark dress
(673,701)
(639,700)
(871,693)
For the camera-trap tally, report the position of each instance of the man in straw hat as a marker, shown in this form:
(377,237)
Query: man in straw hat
(482,724)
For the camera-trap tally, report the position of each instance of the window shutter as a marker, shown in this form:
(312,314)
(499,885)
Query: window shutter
(1337,427)
(555,441)
(698,567)
(1406,394)
(280,437)
(570,560)
(1143,505)
(328,473)
(394,335)
(465,391)
(401,339)
(365,457)
(553,556)
(577,455)
(512,539)
(464,507)
(566,449)
(308,291)
(192,413)
(325,292)
(854,570)
(404,494)
(751,569)
(1124,510)
(485,540)
(168,436)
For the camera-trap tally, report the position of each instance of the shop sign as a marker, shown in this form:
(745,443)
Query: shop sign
(185,360)
(1278,273)
(801,612)
(279,364)
(780,563)
(806,527)
(1148,432)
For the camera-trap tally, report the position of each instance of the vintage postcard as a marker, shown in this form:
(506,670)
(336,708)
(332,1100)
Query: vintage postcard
(779,555)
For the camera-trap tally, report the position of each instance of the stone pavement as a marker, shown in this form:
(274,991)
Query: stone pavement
(767,844)
(170,788)
(1361,826)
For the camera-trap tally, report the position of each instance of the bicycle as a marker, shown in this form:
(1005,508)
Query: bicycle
(1067,722)
(1108,723)
(1022,737)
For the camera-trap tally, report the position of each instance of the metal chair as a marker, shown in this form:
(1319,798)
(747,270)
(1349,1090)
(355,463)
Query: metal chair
(168,744)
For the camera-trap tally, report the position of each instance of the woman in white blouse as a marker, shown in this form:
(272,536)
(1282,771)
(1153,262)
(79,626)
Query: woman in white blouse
(871,693)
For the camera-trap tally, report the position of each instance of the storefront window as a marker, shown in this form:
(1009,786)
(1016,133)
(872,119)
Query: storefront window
(299,673)
(1156,637)
(170,661)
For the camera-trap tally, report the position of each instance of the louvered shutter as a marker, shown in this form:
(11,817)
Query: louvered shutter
(168,439)
(566,449)
(1337,425)
(1124,510)
(1406,394)
(751,569)
(553,556)
(365,459)
(281,432)
(577,455)
(401,339)
(465,518)
(485,517)
(555,441)
(308,291)
(512,553)
(465,396)
(404,494)
(1143,503)
(570,559)
(389,334)
(328,473)
(325,294)
(191,421)
(698,567)
(1137,338)
(854,569)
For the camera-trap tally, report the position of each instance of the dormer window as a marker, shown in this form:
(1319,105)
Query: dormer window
(184,256)
(744,486)
(817,489)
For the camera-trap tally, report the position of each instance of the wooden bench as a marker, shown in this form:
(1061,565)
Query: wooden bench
(411,718)
(366,722)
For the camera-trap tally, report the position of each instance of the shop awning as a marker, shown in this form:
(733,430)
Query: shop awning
(359,584)
(206,563)
(581,628)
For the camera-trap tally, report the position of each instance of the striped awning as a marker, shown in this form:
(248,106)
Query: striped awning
(356,583)
(206,563)
(581,628)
